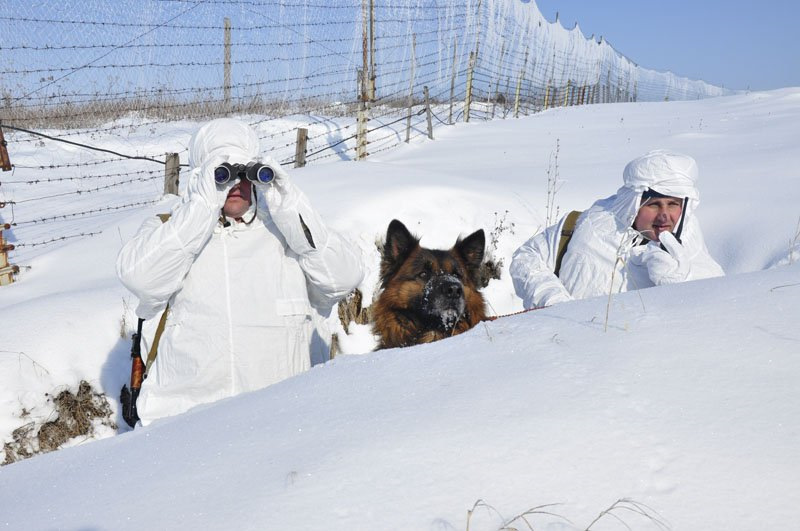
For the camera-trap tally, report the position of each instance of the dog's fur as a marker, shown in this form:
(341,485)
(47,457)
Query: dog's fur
(427,294)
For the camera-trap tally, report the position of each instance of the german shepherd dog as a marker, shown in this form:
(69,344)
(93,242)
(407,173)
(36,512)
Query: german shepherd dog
(427,294)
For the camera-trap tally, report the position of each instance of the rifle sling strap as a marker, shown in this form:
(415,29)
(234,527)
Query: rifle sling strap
(566,234)
(151,355)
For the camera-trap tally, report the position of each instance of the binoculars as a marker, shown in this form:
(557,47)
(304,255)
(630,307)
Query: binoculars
(255,172)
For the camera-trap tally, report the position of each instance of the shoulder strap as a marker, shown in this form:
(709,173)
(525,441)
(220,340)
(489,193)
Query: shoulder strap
(151,355)
(566,235)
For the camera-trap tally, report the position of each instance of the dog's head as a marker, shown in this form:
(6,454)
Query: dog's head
(436,286)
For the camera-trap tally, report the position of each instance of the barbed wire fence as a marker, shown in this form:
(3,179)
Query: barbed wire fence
(86,91)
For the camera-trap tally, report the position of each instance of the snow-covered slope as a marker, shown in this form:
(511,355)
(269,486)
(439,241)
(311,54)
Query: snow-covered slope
(686,403)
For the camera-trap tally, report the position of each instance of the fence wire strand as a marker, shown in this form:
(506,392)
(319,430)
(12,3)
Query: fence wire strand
(80,82)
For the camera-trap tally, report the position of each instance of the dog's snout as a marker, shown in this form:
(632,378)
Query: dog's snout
(452,290)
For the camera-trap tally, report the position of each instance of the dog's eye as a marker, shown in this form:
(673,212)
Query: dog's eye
(423,275)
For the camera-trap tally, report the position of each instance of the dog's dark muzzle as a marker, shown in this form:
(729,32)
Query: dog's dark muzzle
(444,300)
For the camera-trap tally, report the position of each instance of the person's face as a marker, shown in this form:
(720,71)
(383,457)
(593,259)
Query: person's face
(657,215)
(238,200)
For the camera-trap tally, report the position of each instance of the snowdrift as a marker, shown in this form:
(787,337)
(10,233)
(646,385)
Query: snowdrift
(687,404)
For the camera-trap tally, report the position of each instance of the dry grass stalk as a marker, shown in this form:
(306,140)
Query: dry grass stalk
(629,505)
(351,309)
(76,415)
(794,244)
(622,505)
(553,186)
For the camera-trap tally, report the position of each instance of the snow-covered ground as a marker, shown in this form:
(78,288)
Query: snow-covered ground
(687,404)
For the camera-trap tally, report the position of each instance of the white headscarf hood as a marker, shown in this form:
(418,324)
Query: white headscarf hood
(224,136)
(663,171)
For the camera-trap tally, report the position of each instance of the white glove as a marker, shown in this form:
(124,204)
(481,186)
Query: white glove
(202,184)
(278,189)
(666,267)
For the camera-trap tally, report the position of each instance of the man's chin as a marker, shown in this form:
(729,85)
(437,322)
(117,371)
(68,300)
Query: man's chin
(235,207)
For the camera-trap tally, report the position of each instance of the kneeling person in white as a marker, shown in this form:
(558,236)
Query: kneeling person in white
(645,235)
(248,269)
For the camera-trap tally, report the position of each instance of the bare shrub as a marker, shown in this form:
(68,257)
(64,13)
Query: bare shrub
(491,267)
(21,445)
(351,309)
(554,184)
(76,414)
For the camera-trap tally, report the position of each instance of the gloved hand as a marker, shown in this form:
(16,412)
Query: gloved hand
(291,212)
(201,184)
(666,267)
(278,190)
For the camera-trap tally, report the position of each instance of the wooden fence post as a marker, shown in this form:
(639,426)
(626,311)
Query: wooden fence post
(452,83)
(361,119)
(364,52)
(546,96)
(226,83)
(7,270)
(300,147)
(428,111)
(361,134)
(506,96)
(497,82)
(468,96)
(371,50)
(5,161)
(519,84)
(411,86)
(172,172)
(567,92)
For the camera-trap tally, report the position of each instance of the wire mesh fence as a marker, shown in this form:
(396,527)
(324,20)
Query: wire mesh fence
(111,74)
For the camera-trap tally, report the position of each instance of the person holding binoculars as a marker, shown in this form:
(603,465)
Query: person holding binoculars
(247,269)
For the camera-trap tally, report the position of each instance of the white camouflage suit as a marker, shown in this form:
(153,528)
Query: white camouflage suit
(244,300)
(604,233)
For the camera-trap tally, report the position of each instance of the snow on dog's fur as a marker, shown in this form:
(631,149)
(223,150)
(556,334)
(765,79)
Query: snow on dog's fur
(427,294)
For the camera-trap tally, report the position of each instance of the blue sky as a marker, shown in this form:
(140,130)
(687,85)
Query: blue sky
(736,43)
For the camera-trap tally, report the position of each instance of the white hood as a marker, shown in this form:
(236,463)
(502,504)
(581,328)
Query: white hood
(663,171)
(603,253)
(224,137)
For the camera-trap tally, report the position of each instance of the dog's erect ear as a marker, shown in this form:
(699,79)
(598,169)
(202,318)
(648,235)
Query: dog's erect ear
(471,249)
(399,242)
